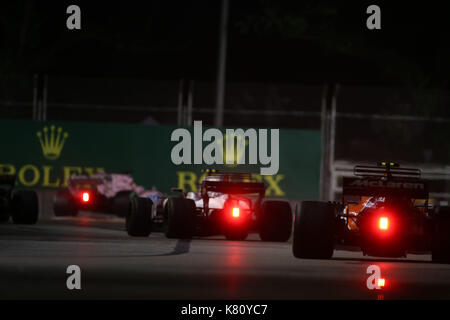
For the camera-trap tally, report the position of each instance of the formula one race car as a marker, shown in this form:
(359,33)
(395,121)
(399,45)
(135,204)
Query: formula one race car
(385,211)
(21,205)
(228,203)
(103,192)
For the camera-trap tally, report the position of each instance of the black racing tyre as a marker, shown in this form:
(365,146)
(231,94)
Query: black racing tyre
(64,204)
(25,207)
(4,215)
(314,229)
(138,221)
(121,203)
(440,247)
(275,222)
(180,219)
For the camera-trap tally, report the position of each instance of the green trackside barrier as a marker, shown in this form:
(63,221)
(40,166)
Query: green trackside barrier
(45,154)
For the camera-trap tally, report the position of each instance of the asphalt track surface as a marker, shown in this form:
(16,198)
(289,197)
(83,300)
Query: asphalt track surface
(34,259)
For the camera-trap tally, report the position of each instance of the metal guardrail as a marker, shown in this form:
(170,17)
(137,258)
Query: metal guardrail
(142,108)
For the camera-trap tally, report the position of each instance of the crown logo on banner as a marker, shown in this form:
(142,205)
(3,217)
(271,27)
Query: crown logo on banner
(52,142)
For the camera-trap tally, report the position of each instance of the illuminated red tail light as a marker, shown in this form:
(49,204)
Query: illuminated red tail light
(383,223)
(381,282)
(235,212)
(85,197)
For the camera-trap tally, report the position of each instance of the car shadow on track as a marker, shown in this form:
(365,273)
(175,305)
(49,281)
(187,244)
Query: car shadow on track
(181,247)
(367,259)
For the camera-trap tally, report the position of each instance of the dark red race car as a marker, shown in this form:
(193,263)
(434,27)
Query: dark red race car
(102,192)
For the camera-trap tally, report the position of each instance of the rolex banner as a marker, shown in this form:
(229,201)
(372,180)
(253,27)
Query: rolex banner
(45,154)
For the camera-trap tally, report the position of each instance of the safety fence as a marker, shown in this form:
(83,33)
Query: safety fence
(357,123)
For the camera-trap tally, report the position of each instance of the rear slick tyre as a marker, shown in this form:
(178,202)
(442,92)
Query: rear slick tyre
(314,229)
(275,221)
(180,218)
(138,221)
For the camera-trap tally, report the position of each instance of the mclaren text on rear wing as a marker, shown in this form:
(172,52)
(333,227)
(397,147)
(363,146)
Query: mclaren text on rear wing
(412,188)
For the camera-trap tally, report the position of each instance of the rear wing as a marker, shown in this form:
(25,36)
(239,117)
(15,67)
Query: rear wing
(393,187)
(386,171)
(76,181)
(386,179)
(235,187)
(232,182)
(214,174)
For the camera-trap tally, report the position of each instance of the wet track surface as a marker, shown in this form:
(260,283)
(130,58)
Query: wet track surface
(113,265)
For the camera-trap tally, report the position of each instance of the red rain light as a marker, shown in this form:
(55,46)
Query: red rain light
(381,282)
(235,212)
(85,197)
(383,223)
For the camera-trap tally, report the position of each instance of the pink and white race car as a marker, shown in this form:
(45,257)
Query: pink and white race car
(102,192)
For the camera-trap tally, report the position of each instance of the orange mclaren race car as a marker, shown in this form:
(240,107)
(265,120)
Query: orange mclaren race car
(353,209)
(385,211)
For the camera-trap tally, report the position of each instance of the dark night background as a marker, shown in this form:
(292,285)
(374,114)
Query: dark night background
(131,56)
(277,41)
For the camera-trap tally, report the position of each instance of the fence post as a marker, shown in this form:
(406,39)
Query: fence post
(44,98)
(332,142)
(180,104)
(190,103)
(35,97)
(218,121)
(325,141)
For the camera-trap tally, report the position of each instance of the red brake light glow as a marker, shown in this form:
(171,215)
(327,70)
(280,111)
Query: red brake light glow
(383,223)
(381,282)
(235,212)
(85,197)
